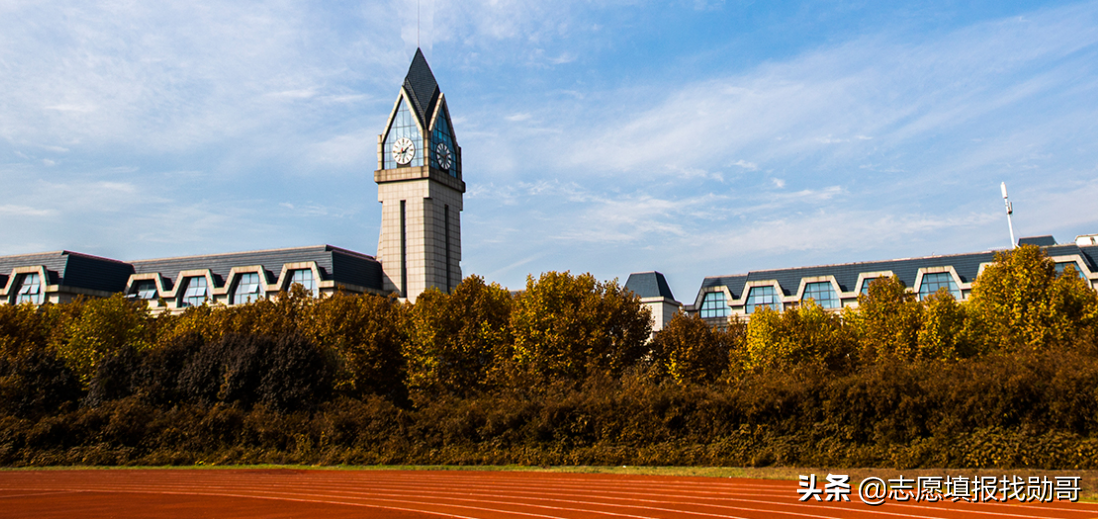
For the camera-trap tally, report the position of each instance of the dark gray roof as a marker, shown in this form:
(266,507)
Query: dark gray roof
(72,269)
(340,265)
(421,84)
(1040,241)
(649,284)
(966,265)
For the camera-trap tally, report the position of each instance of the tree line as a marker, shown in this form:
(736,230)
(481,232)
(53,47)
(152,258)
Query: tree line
(564,372)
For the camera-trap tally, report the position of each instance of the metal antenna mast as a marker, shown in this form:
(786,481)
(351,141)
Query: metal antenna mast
(417,24)
(1010,211)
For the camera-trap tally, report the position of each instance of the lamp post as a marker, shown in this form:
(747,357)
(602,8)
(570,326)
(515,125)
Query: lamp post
(1010,211)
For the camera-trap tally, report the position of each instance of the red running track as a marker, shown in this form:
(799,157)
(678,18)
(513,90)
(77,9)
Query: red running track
(461,494)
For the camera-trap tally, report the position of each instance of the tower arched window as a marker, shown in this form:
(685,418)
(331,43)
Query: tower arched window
(444,152)
(404,126)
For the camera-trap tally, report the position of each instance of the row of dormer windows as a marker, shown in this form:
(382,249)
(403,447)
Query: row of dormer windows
(195,290)
(715,304)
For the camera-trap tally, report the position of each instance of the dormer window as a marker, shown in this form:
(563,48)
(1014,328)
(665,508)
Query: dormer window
(194,293)
(144,289)
(304,277)
(822,293)
(762,296)
(247,288)
(30,289)
(714,305)
(1062,267)
(936,281)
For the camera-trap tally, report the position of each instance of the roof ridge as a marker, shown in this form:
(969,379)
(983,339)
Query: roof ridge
(280,249)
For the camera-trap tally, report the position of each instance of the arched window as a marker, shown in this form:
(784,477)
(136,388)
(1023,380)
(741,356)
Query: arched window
(247,288)
(938,280)
(714,305)
(404,125)
(442,142)
(30,290)
(759,297)
(822,293)
(304,277)
(194,293)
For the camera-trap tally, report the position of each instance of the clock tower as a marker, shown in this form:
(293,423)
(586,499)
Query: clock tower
(420,189)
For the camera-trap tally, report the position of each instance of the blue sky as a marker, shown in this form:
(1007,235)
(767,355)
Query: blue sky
(694,137)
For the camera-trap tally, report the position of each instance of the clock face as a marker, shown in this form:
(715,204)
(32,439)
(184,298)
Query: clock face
(403,150)
(445,158)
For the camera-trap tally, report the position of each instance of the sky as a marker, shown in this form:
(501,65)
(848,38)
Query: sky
(692,137)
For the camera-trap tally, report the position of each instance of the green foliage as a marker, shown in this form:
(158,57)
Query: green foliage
(567,326)
(367,334)
(35,383)
(807,335)
(460,341)
(942,335)
(24,328)
(888,320)
(691,352)
(562,374)
(98,328)
(1020,304)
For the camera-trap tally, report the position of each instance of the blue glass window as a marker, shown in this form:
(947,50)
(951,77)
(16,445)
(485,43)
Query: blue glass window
(714,305)
(194,292)
(1061,267)
(442,135)
(30,290)
(247,288)
(762,296)
(865,285)
(404,125)
(303,277)
(933,282)
(823,293)
(144,289)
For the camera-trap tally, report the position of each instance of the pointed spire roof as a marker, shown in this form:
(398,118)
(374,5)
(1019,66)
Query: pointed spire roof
(421,87)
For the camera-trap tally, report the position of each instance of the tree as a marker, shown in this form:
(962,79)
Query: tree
(566,326)
(887,321)
(807,335)
(100,328)
(690,351)
(35,383)
(1019,303)
(458,341)
(367,333)
(942,335)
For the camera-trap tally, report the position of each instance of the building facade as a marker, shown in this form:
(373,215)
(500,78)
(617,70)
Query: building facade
(835,286)
(420,188)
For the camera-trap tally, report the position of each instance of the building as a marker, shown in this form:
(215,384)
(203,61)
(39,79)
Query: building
(653,291)
(835,286)
(420,189)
